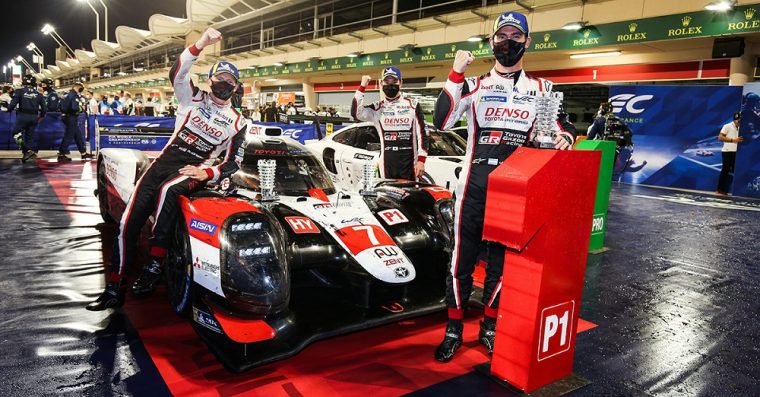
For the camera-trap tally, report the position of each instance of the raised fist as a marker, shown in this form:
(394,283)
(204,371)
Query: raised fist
(365,80)
(462,60)
(210,36)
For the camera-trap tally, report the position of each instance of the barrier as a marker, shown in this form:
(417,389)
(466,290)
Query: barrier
(540,205)
(599,223)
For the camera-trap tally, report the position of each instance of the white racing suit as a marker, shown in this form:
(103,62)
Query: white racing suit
(500,119)
(401,125)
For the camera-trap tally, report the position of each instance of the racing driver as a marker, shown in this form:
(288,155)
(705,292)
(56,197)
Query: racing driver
(207,126)
(500,118)
(399,120)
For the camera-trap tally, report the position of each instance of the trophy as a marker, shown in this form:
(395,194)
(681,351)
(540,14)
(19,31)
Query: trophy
(368,179)
(266,179)
(545,127)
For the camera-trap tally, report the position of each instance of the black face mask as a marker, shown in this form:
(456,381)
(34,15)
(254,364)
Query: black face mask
(222,89)
(80,90)
(508,52)
(390,90)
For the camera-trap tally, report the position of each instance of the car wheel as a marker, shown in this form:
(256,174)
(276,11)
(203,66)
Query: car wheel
(179,271)
(102,194)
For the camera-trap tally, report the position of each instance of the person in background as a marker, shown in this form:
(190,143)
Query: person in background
(115,105)
(291,109)
(256,114)
(105,106)
(270,114)
(31,111)
(128,108)
(94,109)
(71,106)
(729,135)
(52,99)
(5,98)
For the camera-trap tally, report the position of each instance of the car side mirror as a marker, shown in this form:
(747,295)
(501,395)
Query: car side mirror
(373,147)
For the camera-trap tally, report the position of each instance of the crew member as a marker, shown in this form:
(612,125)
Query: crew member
(499,120)
(400,123)
(52,99)
(71,106)
(207,126)
(31,111)
(729,135)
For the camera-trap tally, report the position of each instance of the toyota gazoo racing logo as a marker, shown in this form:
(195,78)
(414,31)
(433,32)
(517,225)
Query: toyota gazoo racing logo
(633,104)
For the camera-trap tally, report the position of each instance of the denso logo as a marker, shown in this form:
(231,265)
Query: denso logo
(397,120)
(208,228)
(197,120)
(629,102)
(507,112)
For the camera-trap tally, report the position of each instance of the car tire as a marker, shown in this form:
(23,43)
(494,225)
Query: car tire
(179,271)
(102,194)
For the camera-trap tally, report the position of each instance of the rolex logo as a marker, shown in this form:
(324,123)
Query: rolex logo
(480,45)
(547,37)
(685,21)
(386,55)
(749,13)
(308,65)
(429,50)
(336,61)
(586,33)
(453,48)
(406,53)
(632,27)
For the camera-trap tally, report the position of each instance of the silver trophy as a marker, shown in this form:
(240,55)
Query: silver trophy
(547,110)
(266,179)
(368,179)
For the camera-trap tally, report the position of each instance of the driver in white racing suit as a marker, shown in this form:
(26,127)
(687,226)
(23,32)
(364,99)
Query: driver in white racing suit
(400,123)
(500,116)
(206,127)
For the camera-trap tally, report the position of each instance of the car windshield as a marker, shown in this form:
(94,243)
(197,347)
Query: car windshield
(294,175)
(446,143)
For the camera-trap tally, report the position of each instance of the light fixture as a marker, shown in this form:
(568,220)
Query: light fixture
(354,54)
(720,5)
(19,58)
(47,29)
(577,25)
(278,64)
(596,54)
(476,38)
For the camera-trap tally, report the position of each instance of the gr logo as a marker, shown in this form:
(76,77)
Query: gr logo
(629,102)
(556,333)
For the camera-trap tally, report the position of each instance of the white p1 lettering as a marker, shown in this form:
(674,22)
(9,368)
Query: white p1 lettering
(555,336)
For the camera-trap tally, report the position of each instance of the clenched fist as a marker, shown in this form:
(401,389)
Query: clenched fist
(210,36)
(365,80)
(462,60)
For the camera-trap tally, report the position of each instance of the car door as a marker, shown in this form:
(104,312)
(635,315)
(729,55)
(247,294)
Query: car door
(333,152)
(364,148)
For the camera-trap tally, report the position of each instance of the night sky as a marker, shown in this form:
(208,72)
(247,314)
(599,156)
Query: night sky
(74,21)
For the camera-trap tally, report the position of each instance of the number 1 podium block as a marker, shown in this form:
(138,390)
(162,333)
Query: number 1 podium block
(540,205)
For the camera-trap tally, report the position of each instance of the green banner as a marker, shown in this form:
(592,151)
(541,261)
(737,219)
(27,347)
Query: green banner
(603,185)
(705,23)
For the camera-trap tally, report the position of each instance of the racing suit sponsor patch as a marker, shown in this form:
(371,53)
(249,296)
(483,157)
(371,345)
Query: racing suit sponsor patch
(207,320)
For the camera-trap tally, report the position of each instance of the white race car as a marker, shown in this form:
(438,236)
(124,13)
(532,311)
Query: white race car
(346,151)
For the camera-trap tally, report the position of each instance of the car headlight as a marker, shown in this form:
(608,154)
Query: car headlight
(445,210)
(255,274)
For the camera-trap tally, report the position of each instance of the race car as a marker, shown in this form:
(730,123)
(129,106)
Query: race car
(276,257)
(345,152)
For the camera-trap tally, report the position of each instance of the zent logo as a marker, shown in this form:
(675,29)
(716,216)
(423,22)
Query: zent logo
(629,102)
(393,217)
(302,225)
(205,227)
(555,333)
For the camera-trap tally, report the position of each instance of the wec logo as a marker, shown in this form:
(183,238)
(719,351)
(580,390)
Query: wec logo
(630,102)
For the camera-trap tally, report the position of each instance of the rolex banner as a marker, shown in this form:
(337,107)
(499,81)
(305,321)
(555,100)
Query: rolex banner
(747,169)
(675,133)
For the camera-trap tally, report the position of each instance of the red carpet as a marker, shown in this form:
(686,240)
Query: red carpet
(386,361)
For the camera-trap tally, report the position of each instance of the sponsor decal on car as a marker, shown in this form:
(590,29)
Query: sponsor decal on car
(401,272)
(206,266)
(302,225)
(201,226)
(362,156)
(392,216)
(207,320)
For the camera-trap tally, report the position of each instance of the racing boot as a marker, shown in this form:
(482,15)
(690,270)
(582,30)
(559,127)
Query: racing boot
(452,341)
(487,334)
(149,277)
(30,155)
(62,158)
(87,156)
(111,298)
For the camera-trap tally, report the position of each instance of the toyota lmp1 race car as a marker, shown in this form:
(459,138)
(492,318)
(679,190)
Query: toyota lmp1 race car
(275,257)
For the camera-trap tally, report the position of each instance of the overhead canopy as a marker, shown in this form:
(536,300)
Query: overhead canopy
(162,26)
(131,38)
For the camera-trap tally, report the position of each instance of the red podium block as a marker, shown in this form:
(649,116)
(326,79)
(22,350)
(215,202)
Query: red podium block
(539,205)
